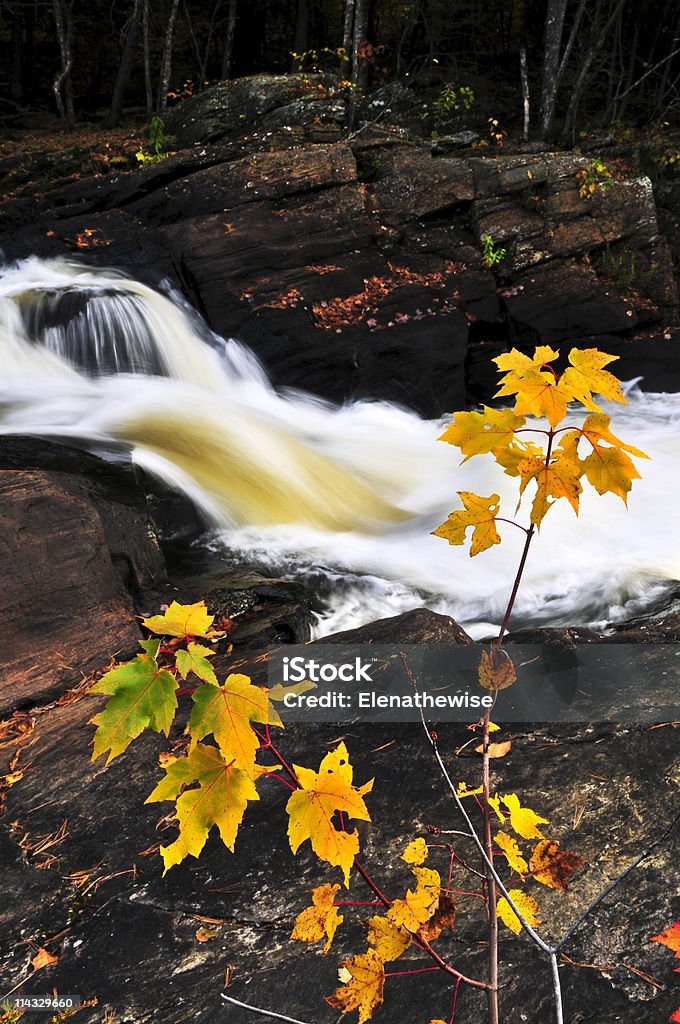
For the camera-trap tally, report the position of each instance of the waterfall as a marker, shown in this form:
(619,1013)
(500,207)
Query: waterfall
(344,495)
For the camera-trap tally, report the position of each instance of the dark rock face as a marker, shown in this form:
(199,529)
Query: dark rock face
(355,268)
(263,101)
(75,556)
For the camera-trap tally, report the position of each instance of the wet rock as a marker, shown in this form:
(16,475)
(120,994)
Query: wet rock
(417,626)
(76,553)
(264,101)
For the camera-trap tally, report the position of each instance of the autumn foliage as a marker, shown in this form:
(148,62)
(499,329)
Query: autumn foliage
(230,751)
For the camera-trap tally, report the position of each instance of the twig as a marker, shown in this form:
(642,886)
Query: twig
(612,885)
(262,1013)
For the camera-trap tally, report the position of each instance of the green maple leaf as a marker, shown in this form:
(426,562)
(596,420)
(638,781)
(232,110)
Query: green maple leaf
(227,712)
(221,798)
(142,696)
(195,659)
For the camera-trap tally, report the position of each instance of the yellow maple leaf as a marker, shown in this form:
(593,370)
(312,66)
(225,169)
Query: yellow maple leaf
(223,793)
(495,805)
(420,903)
(536,387)
(363,991)
(479,513)
(322,918)
(559,478)
(415,852)
(477,433)
(512,852)
(551,865)
(527,906)
(389,940)
(586,377)
(522,819)
(496,670)
(462,790)
(511,456)
(183,620)
(227,712)
(311,809)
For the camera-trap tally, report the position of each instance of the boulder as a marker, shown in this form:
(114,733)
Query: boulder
(261,101)
(76,554)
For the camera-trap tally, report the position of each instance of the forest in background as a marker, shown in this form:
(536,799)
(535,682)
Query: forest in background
(589,64)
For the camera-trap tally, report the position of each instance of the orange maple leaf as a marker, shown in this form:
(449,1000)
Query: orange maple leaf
(553,866)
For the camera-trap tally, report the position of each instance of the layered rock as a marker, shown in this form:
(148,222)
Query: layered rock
(355,267)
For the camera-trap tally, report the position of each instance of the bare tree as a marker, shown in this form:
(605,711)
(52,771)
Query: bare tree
(358,63)
(347,32)
(148,87)
(126,61)
(202,53)
(61,83)
(554,27)
(228,51)
(598,36)
(166,61)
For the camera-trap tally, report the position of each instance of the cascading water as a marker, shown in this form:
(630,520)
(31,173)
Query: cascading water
(346,495)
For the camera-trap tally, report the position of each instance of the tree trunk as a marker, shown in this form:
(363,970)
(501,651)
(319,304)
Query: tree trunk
(62,80)
(301,44)
(126,62)
(228,51)
(554,26)
(148,87)
(166,62)
(596,46)
(17,80)
(358,62)
(525,90)
(347,33)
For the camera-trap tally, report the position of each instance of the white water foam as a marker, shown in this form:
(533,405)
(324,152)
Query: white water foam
(345,496)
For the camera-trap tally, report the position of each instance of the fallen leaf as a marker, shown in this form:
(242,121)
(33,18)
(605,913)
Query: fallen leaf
(496,749)
(669,938)
(43,958)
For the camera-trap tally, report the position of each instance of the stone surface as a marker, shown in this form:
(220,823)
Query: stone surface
(130,938)
(354,268)
(75,557)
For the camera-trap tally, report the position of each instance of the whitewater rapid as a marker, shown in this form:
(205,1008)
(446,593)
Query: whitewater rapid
(344,496)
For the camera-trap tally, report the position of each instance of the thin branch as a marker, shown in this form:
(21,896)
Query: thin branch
(262,1013)
(557,989)
(619,878)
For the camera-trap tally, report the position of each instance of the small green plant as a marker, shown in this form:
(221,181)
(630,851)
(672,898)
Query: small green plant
(157,145)
(492,254)
(597,175)
(318,61)
(451,100)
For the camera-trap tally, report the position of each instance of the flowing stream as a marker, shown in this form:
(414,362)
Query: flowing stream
(344,496)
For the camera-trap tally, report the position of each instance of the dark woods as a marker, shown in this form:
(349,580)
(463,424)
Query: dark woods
(586,63)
